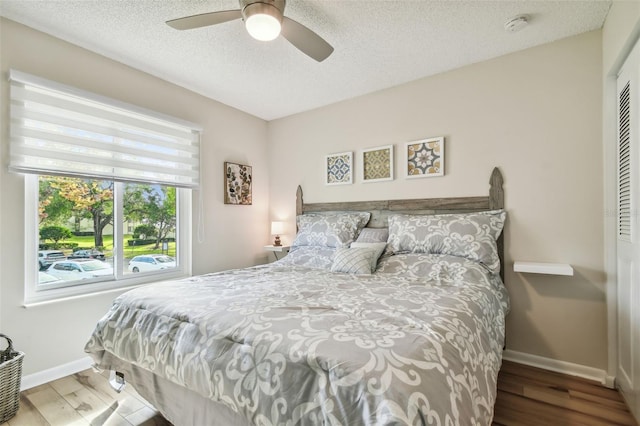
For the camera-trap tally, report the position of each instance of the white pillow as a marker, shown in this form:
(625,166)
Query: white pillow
(377,247)
(373,235)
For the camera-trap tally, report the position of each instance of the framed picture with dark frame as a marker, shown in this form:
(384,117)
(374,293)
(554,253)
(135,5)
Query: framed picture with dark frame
(237,184)
(377,164)
(424,158)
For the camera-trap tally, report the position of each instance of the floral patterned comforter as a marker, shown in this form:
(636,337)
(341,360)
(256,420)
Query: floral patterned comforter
(283,344)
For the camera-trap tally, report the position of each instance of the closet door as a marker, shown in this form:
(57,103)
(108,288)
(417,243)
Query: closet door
(628,252)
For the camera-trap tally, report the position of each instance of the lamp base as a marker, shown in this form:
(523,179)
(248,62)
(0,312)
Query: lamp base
(276,241)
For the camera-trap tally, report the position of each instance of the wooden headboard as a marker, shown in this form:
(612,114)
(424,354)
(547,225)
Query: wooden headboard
(380,210)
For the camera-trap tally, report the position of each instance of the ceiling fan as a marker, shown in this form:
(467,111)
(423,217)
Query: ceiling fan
(264,20)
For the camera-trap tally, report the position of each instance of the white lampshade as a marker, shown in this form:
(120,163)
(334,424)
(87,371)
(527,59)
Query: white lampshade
(277,228)
(263,21)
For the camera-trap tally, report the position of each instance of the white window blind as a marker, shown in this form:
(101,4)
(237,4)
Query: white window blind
(60,130)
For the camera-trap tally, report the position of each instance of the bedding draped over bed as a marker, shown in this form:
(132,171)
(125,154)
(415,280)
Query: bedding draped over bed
(418,342)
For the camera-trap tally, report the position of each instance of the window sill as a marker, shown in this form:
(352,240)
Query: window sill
(42,299)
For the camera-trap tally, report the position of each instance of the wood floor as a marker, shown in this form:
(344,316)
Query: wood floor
(529,396)
(84,398)
(526,396)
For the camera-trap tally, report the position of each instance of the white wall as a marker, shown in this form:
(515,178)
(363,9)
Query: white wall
(537,115)
(55,334)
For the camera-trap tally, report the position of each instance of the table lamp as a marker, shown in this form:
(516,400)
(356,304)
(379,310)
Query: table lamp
(277,228)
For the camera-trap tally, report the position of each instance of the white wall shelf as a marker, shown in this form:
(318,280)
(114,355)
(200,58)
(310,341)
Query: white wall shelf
(543,268)
(278,249)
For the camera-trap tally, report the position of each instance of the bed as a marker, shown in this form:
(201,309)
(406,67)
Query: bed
(384,312)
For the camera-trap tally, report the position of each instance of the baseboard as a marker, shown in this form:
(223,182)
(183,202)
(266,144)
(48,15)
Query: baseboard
(55,373)
(563,367)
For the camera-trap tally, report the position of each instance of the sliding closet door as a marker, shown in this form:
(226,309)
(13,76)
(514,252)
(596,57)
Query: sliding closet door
(628,241)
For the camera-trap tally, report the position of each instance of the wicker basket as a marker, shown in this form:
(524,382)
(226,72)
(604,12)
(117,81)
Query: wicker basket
(10,376)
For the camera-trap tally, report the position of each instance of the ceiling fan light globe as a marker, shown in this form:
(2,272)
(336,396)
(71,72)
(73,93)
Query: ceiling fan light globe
(263,27)
(262,19)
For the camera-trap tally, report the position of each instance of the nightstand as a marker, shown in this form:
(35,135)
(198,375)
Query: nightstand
(278,249)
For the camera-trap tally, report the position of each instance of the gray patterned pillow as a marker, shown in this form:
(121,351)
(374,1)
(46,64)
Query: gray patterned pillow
(469,235)
(378,250)
(309,257)
(452,270)
(331,230)
(408,265)
(353,260)
(373,235)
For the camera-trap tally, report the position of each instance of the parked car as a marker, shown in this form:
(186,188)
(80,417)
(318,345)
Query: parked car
(47,257)
(80,269)
(151,262)
(87,254)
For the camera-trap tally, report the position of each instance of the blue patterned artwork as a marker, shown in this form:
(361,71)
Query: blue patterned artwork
(425,158)
(339,168)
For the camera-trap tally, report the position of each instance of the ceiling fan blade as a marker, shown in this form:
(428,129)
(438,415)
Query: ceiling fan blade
(308,42)
(204,19)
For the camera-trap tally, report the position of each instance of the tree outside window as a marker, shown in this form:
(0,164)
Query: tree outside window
(77,215)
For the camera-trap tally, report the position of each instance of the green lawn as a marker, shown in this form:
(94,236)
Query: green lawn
(129,251)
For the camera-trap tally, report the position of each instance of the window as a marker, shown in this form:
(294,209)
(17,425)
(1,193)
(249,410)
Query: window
(152,211)
(105,183)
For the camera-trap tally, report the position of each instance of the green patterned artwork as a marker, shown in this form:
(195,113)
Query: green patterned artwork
(377,164)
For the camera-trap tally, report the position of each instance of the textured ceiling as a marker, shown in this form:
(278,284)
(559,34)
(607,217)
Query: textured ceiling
(378,44)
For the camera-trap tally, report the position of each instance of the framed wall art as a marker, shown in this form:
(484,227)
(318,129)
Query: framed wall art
(339,168)
(424,158)
(237,184)
(377,164)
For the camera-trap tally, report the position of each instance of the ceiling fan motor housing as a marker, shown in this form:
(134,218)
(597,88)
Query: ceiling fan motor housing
(251,7)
